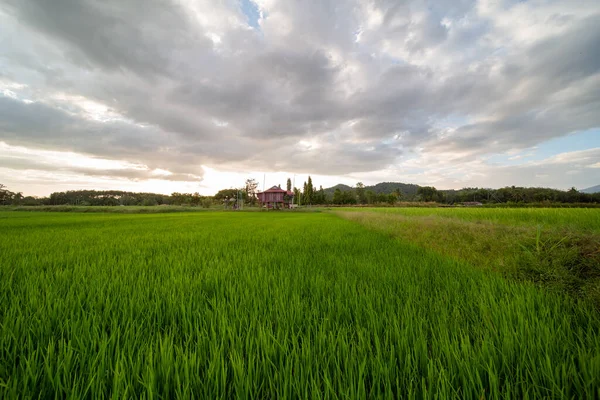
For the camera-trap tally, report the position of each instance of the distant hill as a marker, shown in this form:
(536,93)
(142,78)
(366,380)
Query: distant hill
(407,189)
(341,186)
(593,189)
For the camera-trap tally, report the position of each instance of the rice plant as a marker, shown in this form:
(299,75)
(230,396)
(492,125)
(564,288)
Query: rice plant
(271,305)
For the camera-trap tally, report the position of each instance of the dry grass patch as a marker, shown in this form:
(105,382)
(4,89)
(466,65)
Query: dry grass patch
(559,258)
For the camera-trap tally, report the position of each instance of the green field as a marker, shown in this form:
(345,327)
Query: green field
(340,304)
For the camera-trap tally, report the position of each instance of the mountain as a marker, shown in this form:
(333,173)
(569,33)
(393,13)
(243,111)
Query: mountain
(341,186)
(407,189)
(593,189)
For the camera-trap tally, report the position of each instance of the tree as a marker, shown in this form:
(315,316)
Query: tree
(195,199)
(360,193)
(382,197)
(320,197)
(348,197)
(229,193)
(250,190)
(297,195)
(309,191)
(392,198)
(337,196)
(398,194)
(6,196)
(427,193)
(288,185)
(371,197)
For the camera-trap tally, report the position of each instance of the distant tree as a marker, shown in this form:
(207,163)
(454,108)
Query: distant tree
(392,198)
(371,197)
(297,196)
(6,196)
(148,201)
(398,194)
(128,200)
(310,191)
(427,193)
(337,197)
(348,197)
(304,193)
(250,190)
(288,185)
(229,193)
(360,193)
(32,201)
(196,199)
(382,198)
(320,197)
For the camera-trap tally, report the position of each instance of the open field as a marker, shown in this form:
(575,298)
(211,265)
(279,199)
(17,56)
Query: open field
(282,305)
(111,209)
(558,249)
(583,219)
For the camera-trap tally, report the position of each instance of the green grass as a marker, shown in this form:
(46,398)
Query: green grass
(558,249)
(112,209)
(584,219)
(271,305)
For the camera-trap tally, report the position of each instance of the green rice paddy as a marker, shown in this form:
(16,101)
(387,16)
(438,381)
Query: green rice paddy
(277,305)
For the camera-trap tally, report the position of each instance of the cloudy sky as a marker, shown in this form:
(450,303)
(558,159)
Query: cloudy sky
(197,95)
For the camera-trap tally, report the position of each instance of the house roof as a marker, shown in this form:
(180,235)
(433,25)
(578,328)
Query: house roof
(277,189)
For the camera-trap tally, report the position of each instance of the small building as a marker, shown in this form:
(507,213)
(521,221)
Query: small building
(276,197)
(472,203)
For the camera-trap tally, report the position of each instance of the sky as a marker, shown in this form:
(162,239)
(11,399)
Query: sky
(200,95)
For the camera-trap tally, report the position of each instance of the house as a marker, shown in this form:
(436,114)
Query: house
(276,197)
(471,204)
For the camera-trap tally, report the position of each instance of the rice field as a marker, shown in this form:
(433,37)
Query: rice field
(220,305)
(581,219)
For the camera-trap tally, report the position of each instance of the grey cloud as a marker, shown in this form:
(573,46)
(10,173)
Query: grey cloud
(116,35)
(153,64)
(52,128)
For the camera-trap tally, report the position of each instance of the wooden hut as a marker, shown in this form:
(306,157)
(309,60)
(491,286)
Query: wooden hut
(276,197)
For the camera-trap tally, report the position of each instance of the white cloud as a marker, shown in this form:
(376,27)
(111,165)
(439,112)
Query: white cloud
(359,89)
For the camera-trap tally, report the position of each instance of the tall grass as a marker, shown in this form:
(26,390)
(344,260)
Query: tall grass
(271,305)
(586,219)
(561,258)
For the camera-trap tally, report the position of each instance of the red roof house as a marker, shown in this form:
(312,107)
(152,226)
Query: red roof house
(276,197)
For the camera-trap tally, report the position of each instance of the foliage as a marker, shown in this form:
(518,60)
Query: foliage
(507,195)
(519,195)
(428,193)
(345,197)
(361,196)
(8,197)
(408,191)
(373,195)
(250,191)
(229,193)
(558,249)
(308,193)
(182,306)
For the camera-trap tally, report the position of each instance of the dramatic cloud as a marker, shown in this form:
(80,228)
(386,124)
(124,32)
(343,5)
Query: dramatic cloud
(425,92)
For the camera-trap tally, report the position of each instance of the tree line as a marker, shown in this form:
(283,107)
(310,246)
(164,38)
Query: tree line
(103,198)
(387,194)
(507,195)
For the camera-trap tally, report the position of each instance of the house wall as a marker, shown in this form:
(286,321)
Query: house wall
(270,197)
